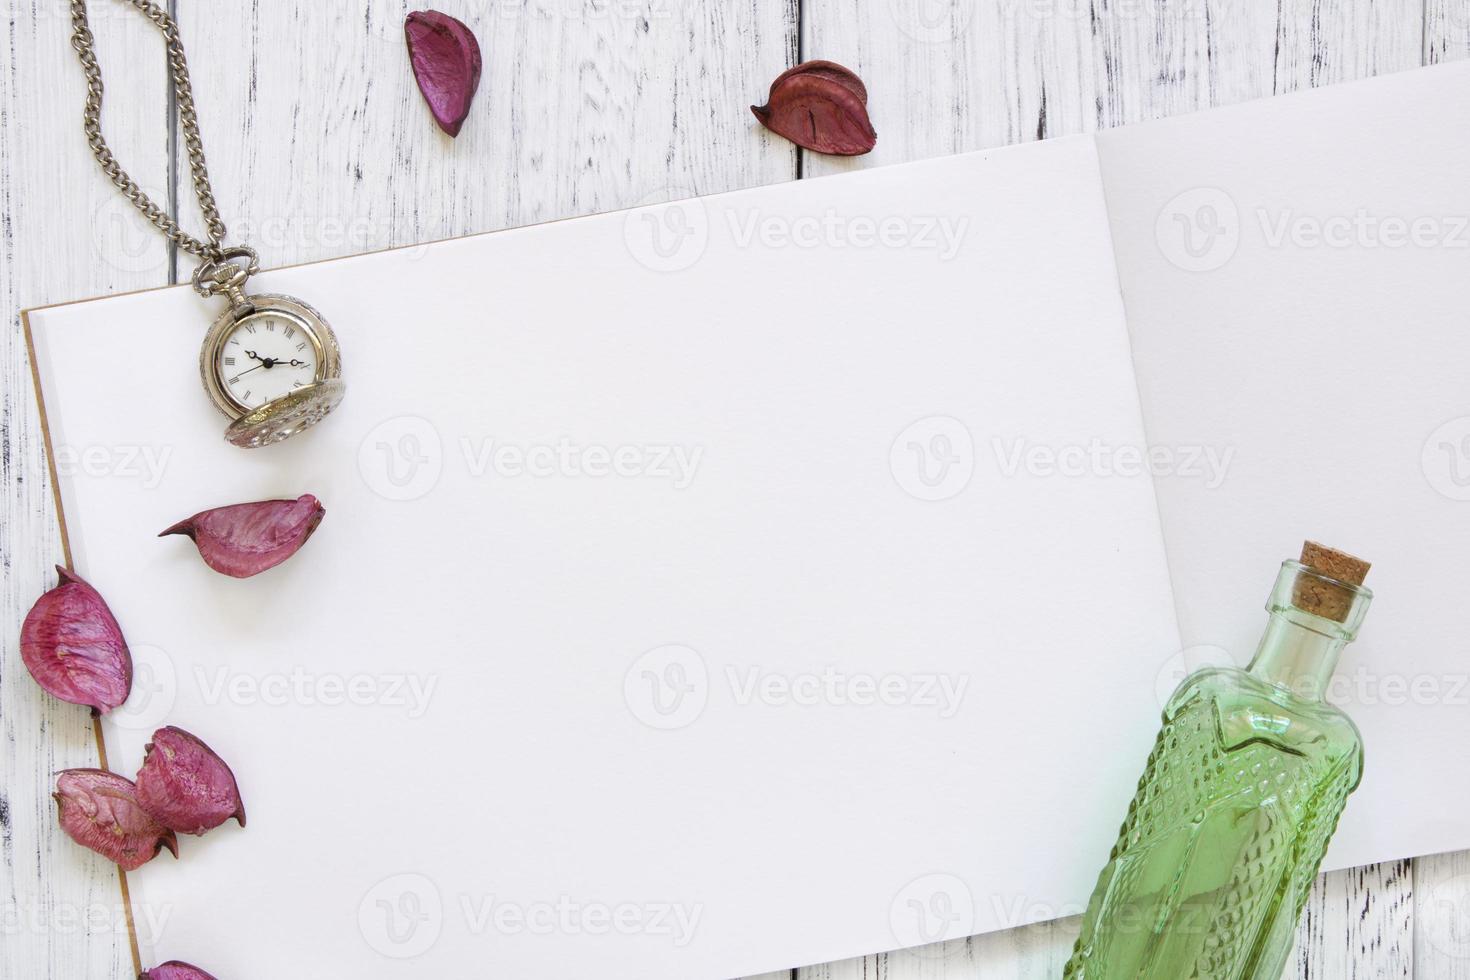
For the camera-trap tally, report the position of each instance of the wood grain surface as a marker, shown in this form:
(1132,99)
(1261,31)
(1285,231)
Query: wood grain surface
(320,146)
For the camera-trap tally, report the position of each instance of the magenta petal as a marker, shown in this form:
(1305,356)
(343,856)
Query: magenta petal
(446,64)
(74,648)
(174,970)
(100,811)
(246,539)
(185,786)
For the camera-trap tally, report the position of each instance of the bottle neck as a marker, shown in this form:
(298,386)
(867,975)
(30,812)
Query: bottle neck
(1296,658)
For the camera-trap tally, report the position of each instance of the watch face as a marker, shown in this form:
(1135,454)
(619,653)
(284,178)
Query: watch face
(274,371)
(267,355)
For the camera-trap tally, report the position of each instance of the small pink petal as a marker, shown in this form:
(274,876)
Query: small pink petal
(446,64)
(74,648)
(246,539)
(98,810)
(185,786)
(174,970)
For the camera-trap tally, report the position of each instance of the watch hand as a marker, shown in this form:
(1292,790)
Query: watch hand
(253,355)
(248,370)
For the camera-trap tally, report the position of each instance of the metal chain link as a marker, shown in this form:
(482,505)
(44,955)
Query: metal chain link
(212,251)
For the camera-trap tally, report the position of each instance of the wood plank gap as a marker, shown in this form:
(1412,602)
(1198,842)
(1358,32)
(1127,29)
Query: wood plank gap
(171,120)
(1424,33)
(801,57)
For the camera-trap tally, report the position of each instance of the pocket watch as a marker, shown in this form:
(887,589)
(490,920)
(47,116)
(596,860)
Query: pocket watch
(270,363)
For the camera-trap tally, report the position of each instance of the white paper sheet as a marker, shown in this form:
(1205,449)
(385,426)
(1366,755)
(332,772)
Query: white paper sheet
(640,744)
(1295,277)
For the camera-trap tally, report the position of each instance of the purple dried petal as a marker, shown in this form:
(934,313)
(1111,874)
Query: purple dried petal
(822,106)
(174,970)
(246,539)
(100,811)
(185,786)
(446,64)
(74,648)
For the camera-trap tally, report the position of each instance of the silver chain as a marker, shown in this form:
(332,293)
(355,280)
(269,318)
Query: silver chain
(212,251)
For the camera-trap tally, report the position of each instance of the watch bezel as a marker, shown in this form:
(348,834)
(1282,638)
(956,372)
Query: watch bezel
(312,323)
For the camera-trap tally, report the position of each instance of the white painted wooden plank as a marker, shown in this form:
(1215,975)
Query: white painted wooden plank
(1446,31)
(1341,40)
(948,76)
(1359,924)
(323,146)
(1442,917)
(66,234)
(1035,952)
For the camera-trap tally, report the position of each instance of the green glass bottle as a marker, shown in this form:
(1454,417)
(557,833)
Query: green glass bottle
(1240,796)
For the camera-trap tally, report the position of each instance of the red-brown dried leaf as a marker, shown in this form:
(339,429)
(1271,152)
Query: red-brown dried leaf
(246,539)
(821,106)
(73,647)
(185,785)
(845,77)
(175,970)
(446,64)
(99,810)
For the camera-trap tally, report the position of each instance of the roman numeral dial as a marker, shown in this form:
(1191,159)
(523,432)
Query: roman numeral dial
(266,355)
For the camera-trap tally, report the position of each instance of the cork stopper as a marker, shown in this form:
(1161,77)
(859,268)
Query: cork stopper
(1326,599)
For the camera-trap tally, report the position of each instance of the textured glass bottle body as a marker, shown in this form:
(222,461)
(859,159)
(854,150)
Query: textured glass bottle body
(1232,817)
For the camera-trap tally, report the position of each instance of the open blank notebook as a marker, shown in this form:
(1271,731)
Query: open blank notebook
(782,576)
